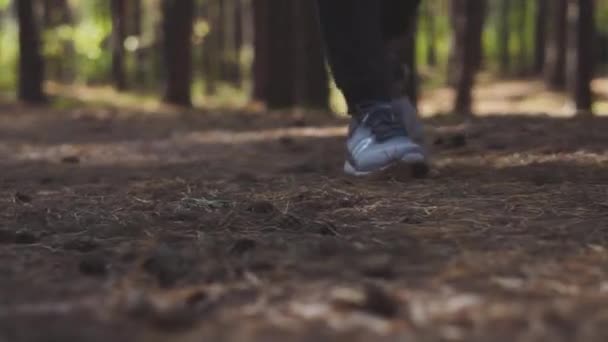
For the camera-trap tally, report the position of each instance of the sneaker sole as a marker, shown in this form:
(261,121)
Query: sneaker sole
(414,167)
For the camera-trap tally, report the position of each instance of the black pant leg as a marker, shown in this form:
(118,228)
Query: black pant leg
(397,15)
(354,38)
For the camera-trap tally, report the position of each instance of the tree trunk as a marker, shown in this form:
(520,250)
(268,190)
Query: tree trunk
(289,63)
(261,17)
(580,57)
(312,80)
(280,92)
(230,25)
(31,64)
(59,66)
(455,49)
(140,58)
(431,49)
(119,34)
(540,34)
(504,37)
(177,27)
(211,61)
(238,36)
(469,22)
(522,13)
(555,55)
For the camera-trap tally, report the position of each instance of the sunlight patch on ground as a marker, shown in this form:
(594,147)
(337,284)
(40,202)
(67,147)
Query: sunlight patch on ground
(179,147)
(491,97)
(515,96)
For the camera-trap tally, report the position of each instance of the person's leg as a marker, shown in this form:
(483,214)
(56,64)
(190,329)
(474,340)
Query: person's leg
(356,35)
(399,26)
(397,16)
(354,44)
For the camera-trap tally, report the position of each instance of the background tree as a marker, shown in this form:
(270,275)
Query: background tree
(271,51)
(540,33)
(261,16)
(136,9)
(56,15)
(292,67)
(31,64)
(177,29)
(504,36)
(119,34)
(522,36)
(469,22)
(581,37)
(431,25)
(555,56)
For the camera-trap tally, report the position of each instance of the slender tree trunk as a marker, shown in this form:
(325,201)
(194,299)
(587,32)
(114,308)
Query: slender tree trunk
(229,31)
(504,37)
(280,92)
(470,17)
(31,64)
(581,36)
(261,17)
(431,49)
(239,17)
(221,28)
(555,55)
(289,66)
(177,27)
(211,47)
(522,22)
(119,34)
(140,58)
(540,34)
(455,48)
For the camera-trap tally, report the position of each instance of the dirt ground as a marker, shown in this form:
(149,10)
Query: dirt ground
(149,226)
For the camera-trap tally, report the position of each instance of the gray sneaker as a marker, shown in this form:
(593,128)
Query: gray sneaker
(379,144)
(415,130)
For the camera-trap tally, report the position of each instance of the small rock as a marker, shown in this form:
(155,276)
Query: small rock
(380,267)
(20,197)
(372,299)
(379,302)
(24,237)
(299,122)
(420,170)
(70,160)
(261,207)
(286,141)
(412,219)
(7,236)
(46,180)
(326,228)
(496,145)
(93,265)
(82,245)
(245,177)
(458,141)
(242,246)
(166,264)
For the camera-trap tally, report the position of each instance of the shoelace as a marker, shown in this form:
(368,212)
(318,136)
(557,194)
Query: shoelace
(383,123)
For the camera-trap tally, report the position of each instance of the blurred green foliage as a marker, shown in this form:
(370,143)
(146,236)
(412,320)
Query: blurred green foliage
(82,46)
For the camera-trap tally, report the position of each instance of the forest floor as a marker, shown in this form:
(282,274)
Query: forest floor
(125,225)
